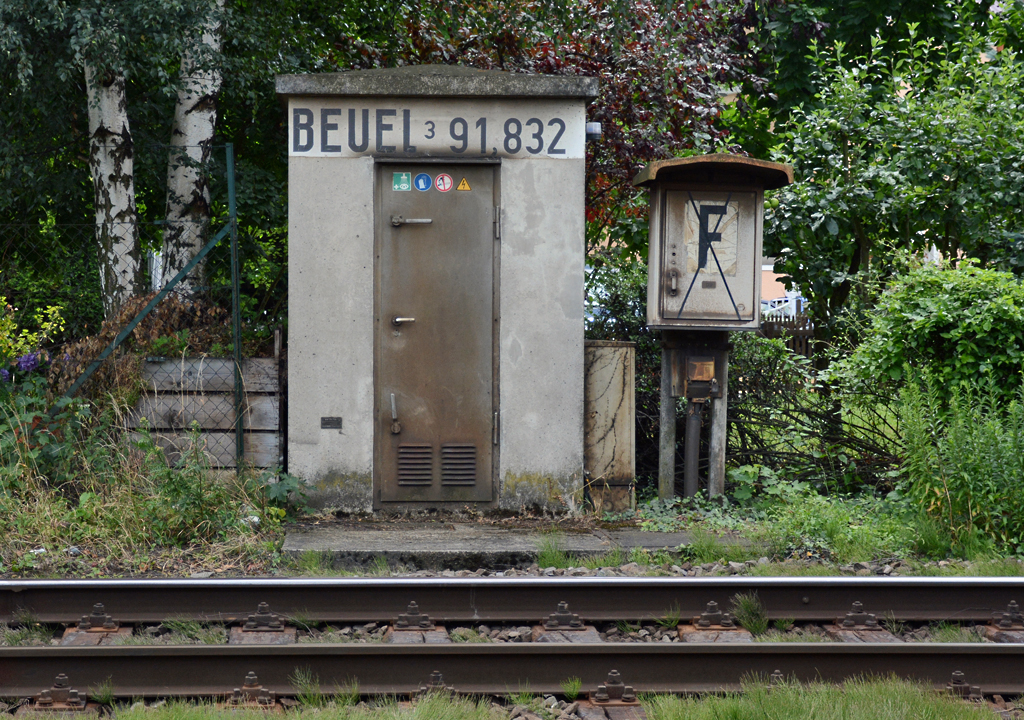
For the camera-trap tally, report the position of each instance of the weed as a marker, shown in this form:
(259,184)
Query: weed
(612,558)
(952,633)
(890,698)
(783,624)
(347,695)
(777,636)
(467,635)
(750,613)
(103,693)
(28,632)
(671,617)
(550,552)
(195,633)
(640,556)
(625,627)
(314,562)
(303,621)
(571,688)
(380,566)
(523,696)
(703,548)
(894,626)
(307,688)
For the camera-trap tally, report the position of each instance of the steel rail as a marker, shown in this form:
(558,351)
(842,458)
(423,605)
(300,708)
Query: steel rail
(472,600)
(202,670)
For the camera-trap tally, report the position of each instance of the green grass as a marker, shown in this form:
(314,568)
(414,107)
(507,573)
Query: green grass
(550,553)
(571,688)
(103,693)
(27,632)
(794,570)
(750,613)
(467,635)
(952,633)
(432,706)
(777,636)
(614,558)
(182,632)
(671,618)
(312,563)
(523,696)
(706,547)
(874,699)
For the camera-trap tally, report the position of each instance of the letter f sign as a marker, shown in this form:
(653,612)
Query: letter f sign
(706,235)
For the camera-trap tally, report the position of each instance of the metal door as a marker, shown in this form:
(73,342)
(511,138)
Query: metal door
(435,328)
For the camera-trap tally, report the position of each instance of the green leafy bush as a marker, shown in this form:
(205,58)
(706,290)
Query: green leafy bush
(965,459)
(35,434)
(957,324)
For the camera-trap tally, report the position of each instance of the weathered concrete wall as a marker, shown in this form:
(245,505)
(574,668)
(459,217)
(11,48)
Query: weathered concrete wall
(542,333)
(330,327)
(609,424)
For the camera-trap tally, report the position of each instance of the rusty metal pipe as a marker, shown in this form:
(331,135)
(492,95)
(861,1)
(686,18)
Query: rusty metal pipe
(691,449)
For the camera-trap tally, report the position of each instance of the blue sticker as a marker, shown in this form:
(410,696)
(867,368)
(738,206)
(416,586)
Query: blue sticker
(423,182)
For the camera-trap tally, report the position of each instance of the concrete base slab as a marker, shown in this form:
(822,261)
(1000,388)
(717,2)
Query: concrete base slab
(460,546)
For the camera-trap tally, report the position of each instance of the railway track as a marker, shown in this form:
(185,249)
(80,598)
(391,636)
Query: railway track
(712,656)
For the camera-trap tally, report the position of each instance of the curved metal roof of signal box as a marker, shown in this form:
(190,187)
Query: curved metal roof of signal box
(704,168)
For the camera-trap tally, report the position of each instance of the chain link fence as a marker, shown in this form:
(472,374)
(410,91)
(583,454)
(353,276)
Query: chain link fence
(152,313)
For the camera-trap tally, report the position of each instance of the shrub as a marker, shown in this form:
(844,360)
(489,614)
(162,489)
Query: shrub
(965,458)
(781,417)
(956,324)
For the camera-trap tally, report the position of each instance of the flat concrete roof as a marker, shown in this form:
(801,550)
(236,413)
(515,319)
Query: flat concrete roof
(438,81)
(702,168)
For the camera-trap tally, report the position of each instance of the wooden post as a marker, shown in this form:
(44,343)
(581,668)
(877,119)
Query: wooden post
(667,430)
(719,434)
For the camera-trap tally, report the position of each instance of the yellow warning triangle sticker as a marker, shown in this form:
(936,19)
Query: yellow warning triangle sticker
(463,185)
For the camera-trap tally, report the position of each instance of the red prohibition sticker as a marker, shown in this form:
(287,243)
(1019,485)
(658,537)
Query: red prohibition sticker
(444,182)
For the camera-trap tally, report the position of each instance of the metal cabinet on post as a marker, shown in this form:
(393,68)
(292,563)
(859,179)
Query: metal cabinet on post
(704,280)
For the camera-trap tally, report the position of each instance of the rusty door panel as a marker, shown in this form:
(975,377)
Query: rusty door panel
(435,397)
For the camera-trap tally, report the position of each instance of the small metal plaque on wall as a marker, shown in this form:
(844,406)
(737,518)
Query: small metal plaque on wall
(330,423)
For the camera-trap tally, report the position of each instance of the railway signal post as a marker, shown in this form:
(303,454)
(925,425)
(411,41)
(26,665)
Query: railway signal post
(704,280)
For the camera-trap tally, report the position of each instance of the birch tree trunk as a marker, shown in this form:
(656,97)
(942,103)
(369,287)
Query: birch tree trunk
(113,175)
(188,192)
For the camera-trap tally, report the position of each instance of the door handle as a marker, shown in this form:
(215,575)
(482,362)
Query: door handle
(398,220)
(399,320)
(396,427)
(673,276)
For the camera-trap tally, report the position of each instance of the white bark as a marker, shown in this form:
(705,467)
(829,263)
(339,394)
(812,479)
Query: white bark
(113,174)
(188,193)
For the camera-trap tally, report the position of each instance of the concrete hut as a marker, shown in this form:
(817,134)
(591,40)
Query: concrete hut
(436,252)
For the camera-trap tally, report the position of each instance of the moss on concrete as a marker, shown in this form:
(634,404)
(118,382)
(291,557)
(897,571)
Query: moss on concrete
(520,491)
(352,492)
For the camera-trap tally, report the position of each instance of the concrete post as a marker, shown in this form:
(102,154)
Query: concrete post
(719,434)
(667,430)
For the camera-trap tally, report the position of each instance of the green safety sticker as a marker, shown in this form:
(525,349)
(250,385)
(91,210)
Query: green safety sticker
(401,181)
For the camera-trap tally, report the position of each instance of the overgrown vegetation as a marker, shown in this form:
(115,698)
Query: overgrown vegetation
(868,698)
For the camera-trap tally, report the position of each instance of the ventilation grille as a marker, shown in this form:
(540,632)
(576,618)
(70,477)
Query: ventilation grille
(458,464)
(415,464)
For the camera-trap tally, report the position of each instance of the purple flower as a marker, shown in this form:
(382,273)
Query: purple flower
(28,362)
(5,375)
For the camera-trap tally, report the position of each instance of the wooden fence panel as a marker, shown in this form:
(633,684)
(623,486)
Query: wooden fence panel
(798,332)
(201,390)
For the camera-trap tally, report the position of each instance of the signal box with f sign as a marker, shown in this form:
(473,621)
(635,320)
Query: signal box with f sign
(706,217)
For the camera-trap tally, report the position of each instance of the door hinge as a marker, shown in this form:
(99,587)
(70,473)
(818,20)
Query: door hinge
(495,431)
(497,222)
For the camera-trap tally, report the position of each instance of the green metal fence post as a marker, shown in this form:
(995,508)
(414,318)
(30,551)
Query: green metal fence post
(236,310)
